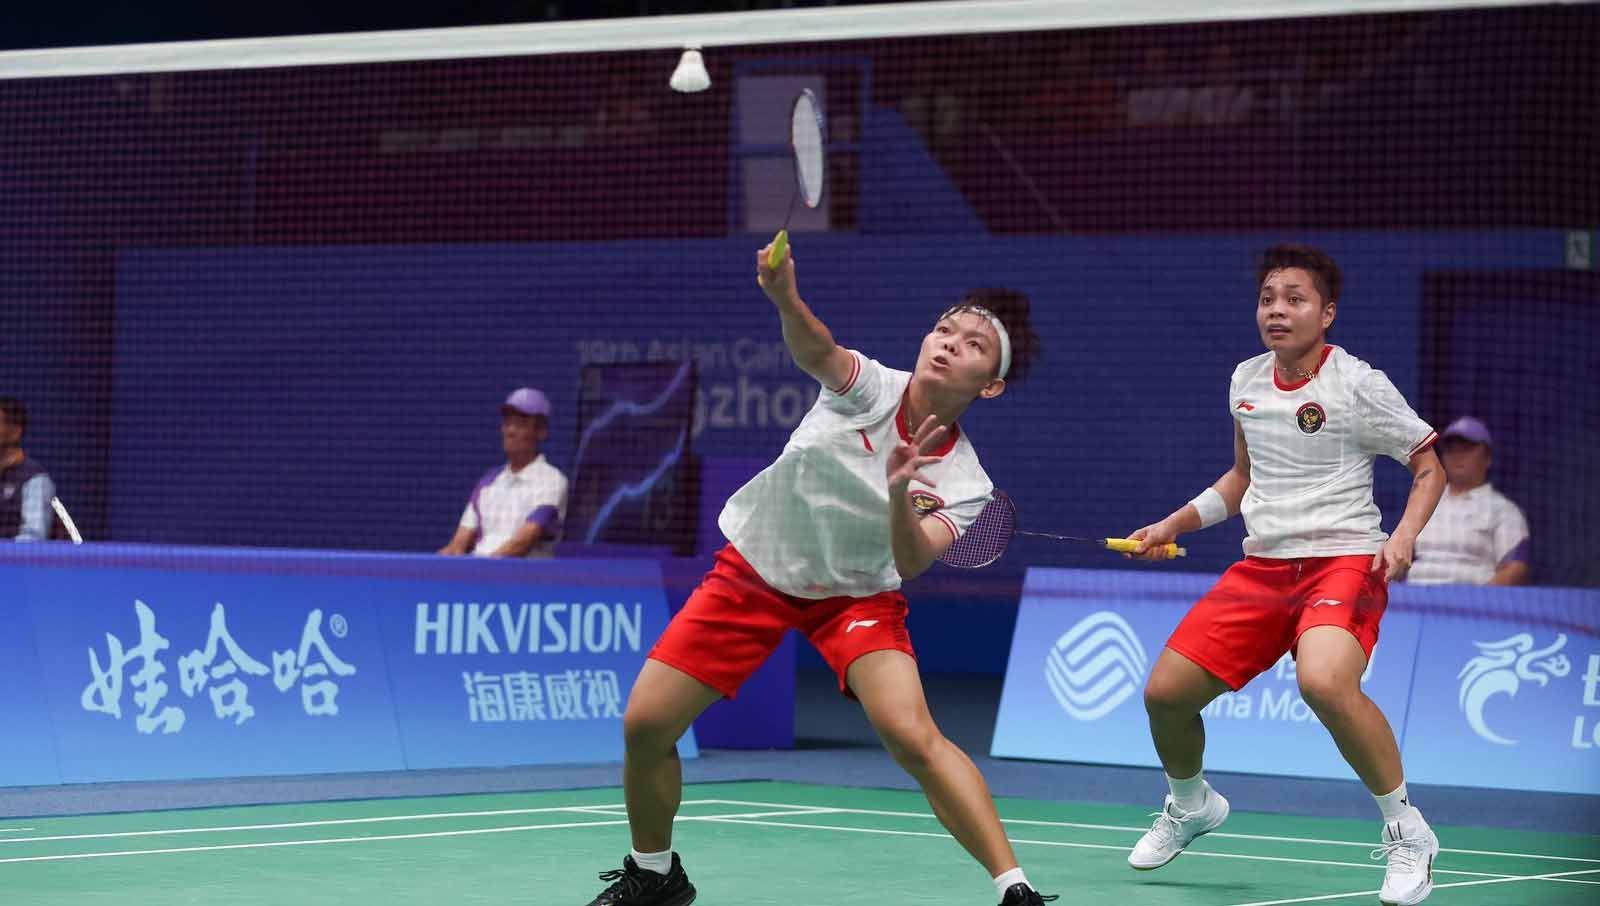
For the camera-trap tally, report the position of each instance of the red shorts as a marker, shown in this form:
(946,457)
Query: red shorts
(1260,607)
(735,620)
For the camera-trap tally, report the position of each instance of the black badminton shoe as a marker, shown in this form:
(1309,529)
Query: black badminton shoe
(1023,895)
(635,886)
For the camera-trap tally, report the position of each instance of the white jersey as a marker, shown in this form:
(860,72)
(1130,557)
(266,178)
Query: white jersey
(1311,448)
(1469,536)
(505,500)
(815,523)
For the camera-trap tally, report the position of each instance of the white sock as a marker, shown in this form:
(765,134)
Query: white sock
(1003,882)
(1189,794)
(660,863)
(1394,804)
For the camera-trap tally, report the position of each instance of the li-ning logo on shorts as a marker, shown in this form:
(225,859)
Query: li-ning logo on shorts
(1310,418)
(1500,667)
(924,502)
(1095,666)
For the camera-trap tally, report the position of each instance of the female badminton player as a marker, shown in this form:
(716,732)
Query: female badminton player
(874,483)
(1309,419)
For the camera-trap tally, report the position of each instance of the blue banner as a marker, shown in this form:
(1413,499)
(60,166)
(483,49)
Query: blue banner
(1505,697)
(28,757)
(519,672)
(151,663)
(1443,674)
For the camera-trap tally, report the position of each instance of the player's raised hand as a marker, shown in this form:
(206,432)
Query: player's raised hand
(779,284)
(1153,540)
(907,459)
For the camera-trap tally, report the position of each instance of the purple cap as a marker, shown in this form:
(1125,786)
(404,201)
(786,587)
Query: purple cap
(526,401)
(1467,428)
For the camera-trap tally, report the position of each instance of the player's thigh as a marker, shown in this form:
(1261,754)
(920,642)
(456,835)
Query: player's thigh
(1180,685)
(1329,662)
(889,687)
(1345,594)
(665,701)
(845,631)
(1237,629)
(726,630)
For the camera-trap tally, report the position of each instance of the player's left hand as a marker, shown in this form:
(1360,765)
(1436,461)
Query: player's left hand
(907,459)
(779,284)
(1395,556)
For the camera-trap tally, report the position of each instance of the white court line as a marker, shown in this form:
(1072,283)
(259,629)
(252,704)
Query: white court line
(14,830)
(731,819)
(474,832)
(777,810)
(281,843)
(1140,830)
(1558,876)
(381,819)
(234,828)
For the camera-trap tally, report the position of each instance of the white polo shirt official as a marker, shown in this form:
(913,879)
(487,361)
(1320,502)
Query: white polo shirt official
(505,500)
(1311,447)
(815,523)
(1467,539)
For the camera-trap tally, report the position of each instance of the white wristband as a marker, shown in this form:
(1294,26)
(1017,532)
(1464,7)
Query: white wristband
(1212,508)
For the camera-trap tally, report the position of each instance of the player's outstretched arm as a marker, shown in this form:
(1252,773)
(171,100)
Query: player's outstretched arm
(809,341)
(1229,495)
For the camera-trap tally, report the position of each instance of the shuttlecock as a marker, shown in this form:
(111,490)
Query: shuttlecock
(691,75)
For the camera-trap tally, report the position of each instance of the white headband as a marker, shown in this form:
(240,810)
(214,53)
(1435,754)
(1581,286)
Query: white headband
(999,329)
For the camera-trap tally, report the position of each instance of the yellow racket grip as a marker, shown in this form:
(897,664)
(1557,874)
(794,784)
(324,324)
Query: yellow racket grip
(1129,545)
(780,251)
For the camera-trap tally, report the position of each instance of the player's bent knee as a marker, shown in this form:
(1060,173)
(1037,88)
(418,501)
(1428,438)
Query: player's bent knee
(1327,696)
(912,743)
(645,727)
(1163,698)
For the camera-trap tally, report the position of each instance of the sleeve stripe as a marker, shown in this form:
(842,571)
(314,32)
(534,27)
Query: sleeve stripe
(855,372)
(954,533)
(1425,443)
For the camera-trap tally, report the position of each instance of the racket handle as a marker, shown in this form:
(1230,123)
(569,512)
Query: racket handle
(1129,545)
(780,250)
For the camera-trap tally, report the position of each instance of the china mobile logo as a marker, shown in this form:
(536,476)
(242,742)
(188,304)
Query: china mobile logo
(219,668)
(1500,668)
(1095,666)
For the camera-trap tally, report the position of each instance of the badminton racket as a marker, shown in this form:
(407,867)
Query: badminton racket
(810,168)
(986,539)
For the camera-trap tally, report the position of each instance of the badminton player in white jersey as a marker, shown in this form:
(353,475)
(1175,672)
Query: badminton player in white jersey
(874,483)
(1309,419)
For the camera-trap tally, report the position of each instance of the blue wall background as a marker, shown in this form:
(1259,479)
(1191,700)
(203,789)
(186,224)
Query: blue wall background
(345,397)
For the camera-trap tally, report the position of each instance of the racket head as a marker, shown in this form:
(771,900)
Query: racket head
(986,539)
(807,138)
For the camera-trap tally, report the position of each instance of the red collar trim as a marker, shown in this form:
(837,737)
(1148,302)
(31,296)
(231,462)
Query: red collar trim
(1277,382)
(953,435)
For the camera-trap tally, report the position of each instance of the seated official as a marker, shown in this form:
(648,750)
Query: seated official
(517,508)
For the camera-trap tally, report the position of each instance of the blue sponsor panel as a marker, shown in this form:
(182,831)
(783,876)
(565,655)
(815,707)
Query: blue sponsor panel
(523,672)
(28,756)
(1493,687)
(1507,689)
(1085,643)
(160,674)
(134,662)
